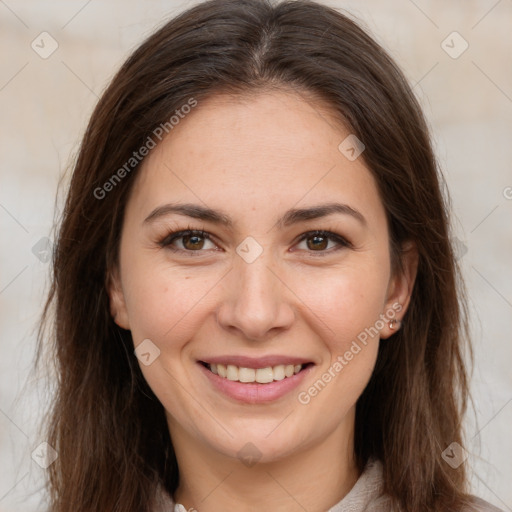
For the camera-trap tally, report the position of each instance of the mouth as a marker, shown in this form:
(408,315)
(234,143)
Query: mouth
(255,380)
(264,375)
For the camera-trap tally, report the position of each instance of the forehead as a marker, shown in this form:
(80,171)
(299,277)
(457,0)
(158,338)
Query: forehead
(269,149)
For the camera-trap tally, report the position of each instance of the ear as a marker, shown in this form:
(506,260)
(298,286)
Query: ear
(400,290)
(117,301)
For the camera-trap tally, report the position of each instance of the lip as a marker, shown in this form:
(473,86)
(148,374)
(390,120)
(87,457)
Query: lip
(254,393)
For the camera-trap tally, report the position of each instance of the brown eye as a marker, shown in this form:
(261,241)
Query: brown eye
(322,242)
(188,241)
(317,242)
(193,242)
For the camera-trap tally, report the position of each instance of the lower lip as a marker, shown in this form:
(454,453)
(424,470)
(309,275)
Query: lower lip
(255,393)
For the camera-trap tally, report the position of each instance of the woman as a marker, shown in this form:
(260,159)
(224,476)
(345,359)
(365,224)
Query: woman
(257,303)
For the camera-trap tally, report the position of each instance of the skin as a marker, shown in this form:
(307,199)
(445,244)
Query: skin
(254,158)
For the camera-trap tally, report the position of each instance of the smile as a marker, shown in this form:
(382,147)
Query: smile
(260,375)
(257,385)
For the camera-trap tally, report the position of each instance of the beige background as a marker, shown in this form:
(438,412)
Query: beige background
(45,104)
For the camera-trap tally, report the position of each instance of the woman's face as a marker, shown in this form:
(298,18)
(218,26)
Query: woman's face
(259,289)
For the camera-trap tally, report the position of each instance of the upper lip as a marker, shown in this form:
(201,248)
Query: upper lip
(256,362)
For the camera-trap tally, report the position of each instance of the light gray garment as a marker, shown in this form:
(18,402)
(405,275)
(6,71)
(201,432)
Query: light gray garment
(365,496)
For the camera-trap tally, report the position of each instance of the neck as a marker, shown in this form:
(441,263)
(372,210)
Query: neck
(313,478)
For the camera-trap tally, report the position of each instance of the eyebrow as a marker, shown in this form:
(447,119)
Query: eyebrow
(292,216)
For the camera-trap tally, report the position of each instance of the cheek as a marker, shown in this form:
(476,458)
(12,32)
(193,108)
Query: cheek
(346,300)
(346,311)
(345,306)
(163,302)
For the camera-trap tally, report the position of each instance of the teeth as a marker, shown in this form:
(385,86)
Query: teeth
(264,375)
(244,374)
(279,372)
(232,372)
(260,375)
(221,370)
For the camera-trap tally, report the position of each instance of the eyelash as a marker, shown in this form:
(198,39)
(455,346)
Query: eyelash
(176,235)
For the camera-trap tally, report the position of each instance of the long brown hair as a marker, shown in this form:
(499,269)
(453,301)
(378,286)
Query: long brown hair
(106,424)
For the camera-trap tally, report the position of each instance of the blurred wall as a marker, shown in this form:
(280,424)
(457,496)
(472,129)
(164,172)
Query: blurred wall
(58,56)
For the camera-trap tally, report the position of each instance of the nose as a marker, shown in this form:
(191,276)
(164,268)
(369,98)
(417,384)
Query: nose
(256,302)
